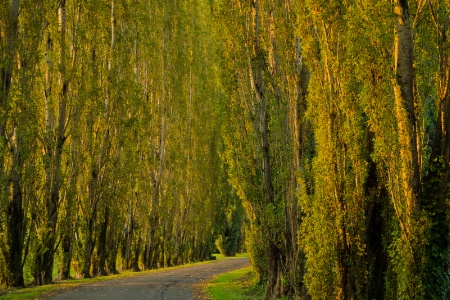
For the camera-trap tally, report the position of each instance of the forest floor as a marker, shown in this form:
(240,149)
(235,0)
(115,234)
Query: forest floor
(185,282)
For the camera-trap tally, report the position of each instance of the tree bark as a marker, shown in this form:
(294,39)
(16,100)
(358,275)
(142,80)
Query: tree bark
(409,164)
(404,108)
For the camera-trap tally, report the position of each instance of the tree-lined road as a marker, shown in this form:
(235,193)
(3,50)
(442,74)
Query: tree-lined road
(168,284)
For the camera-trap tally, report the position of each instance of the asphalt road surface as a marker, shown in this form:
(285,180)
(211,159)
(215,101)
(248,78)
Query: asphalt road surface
(172,284)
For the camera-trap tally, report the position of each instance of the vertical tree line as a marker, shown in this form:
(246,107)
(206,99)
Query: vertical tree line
(338,144)
(108,138)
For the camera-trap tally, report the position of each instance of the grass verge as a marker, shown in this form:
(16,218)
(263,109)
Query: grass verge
(236,285)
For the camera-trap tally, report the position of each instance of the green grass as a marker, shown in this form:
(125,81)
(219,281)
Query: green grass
(29,293)
(236,285)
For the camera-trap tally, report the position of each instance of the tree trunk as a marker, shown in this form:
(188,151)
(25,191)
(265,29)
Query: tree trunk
(66,256)
(96,170)
(273,285)
(15,230)
(54,151)
(151,253)
(410,177)
(136,255)
(404,110)
(112,261)
(93,199)
(88,250)
(376,256)
(102,251)
(153,219)
(258,66)
(113,250)
(68,227)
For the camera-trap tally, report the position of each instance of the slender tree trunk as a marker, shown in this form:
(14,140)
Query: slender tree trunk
(273,286)
(112,260)
(376,256)
(404,109)
(410,177)
(126,250)
(97,168)
(101,249)
(136,255)
(346,256)
(88,248)
(16,223)
(94,201)
(66,256)
(68,227)
(152,240)
(54,152)
(113,250)
(295,256)
(151,252)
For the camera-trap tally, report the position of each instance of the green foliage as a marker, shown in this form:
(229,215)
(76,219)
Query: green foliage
(256,251)
(406,267)
(437,261)
(147,131)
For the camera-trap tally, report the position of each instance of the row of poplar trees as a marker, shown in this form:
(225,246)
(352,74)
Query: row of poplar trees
(132,130)
(108,138)
(339,144)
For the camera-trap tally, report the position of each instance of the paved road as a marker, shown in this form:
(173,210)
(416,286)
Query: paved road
(172,284)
